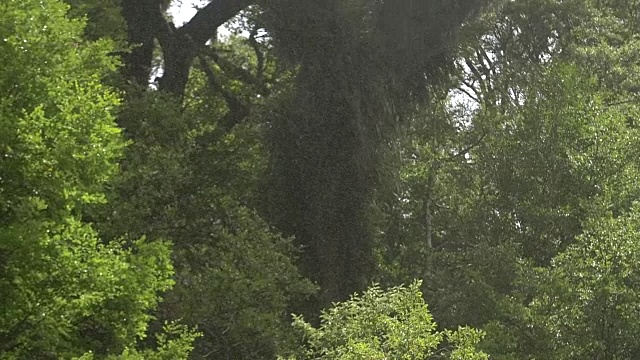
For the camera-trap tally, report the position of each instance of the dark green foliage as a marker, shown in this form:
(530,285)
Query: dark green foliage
(103,18)
(587,301)
(352,85)
(544,140)
(189,179)
(490,154)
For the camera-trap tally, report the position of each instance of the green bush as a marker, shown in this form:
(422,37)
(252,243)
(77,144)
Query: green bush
(393,324)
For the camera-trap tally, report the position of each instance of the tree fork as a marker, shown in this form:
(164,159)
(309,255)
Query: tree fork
(146,22)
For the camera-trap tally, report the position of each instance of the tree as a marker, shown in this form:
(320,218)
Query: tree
(586,302)
(64,291)
(362,65)
(191,175)
(381,325)
(534,153)
(337,141)
(330,225)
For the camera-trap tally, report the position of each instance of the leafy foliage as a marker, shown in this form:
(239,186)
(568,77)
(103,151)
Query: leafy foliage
(501,174)
(589,297)
(191,178)
(345,141)
(64,291)
(381,325)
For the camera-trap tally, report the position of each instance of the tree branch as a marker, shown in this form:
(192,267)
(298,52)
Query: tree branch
(239,73)
(466,150)
(474,98)
(259,54)
(237,109)
(205,22)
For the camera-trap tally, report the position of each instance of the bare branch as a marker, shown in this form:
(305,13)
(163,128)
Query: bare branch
(474,98)
(204,24)
(470,147)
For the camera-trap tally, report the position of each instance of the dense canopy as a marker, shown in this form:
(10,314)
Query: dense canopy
(245,185)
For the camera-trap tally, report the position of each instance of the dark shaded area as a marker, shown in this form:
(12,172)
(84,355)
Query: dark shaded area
(361,65)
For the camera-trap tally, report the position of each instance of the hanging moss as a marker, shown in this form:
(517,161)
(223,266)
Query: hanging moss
(362,64)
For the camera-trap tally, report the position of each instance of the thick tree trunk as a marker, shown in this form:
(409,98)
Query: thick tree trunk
(354,63)
(361,66)
(322,177)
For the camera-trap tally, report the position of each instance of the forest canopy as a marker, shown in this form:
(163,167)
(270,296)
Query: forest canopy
(320,179)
